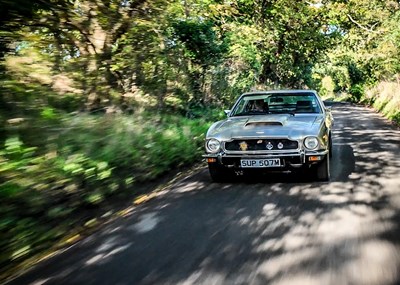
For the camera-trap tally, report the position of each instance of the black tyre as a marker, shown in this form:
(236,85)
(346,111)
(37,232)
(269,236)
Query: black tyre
(322,170)
(218,173)
(330,146)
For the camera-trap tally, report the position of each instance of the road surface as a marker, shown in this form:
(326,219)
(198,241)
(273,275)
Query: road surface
(274,230)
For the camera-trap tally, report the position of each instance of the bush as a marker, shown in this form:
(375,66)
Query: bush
(47,188)
(356,91)
(385,98)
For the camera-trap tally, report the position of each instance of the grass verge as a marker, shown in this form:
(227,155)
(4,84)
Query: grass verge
(61,174)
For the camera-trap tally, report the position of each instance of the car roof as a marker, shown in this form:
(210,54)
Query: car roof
(288,91)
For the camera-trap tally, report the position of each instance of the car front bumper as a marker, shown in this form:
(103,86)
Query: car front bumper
(289,160)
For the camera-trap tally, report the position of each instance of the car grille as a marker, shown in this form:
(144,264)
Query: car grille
(261,144)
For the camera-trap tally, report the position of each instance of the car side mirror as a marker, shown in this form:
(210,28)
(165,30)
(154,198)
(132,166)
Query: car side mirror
(227,112)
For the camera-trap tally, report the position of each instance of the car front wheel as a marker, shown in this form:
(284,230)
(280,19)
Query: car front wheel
(322,171)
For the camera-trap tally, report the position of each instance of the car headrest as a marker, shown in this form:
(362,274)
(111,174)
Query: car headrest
(304,103)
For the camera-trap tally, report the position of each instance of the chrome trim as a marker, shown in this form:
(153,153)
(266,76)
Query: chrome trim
(317,152)
(219,156)
(295,165)
(261,138)
(255,152)
(302,154)
(299,143)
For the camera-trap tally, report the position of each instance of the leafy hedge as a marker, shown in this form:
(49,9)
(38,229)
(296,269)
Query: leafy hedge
(52,177)
(385,98)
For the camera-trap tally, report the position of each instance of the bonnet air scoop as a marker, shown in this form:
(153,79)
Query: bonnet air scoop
(263,124)
(271,120)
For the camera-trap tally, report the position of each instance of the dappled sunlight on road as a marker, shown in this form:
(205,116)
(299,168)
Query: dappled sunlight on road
(147,223)
(102,257)
(330,233)
(192,186)
(275,229)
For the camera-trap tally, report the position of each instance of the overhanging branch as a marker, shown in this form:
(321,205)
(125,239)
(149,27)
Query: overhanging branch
(362,27)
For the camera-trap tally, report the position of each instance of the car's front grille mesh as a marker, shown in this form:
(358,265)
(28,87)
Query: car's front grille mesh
(261,144)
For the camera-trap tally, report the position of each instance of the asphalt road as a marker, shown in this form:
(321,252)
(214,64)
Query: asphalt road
(276,229)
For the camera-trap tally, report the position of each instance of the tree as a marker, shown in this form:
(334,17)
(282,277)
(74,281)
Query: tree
(15,14)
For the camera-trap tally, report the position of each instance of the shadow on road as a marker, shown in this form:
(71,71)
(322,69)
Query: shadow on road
(274,230)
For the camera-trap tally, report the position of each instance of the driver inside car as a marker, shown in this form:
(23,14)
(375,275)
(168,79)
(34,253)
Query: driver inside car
(259,106)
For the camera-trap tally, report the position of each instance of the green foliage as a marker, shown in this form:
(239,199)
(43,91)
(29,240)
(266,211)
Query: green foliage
(356,75)
(356,91)
(48,113)
(201,41)
(142,146)
(80,166)
(294,40)
(13,14)
(158,69)
(396,117)
(365,64)
(385,98)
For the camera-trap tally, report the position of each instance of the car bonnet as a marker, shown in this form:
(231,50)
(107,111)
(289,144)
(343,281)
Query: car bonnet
(272,125)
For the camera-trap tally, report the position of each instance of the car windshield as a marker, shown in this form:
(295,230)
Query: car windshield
(277,103)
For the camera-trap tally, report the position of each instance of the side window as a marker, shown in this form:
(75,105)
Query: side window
(241,107)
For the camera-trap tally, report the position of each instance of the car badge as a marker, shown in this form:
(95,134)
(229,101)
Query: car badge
(280,145)
(269,146)
(243,146)
(259,141)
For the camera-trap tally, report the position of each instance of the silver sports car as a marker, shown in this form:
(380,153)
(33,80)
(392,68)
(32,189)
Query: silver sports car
(281,130)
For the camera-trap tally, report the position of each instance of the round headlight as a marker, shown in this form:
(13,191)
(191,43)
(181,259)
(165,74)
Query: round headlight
(213,145)
(311,142)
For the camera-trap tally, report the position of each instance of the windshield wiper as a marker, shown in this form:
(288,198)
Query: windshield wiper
(282,112)
(251,113)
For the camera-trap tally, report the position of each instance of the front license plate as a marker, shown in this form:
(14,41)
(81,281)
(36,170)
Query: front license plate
(258,163)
